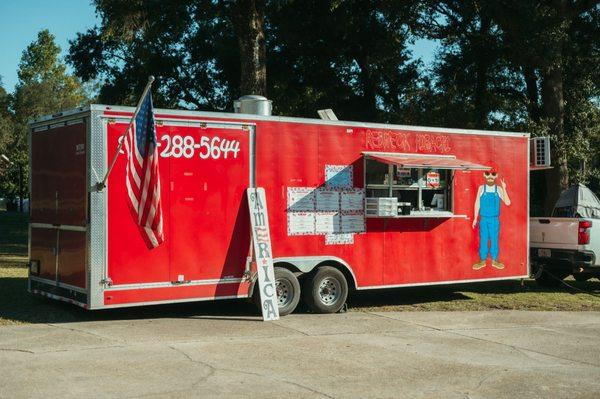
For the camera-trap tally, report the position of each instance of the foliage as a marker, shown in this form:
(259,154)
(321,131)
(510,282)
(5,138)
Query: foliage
(343,56)
(506,65)
(5,122)
(187,45)
(43,88)
(522,65)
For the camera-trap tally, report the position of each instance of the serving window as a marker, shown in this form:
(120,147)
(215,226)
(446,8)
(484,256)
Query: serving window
(411,185)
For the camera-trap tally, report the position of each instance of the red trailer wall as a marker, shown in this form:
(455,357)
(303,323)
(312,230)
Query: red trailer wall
(207,228)
(397,251)
(58,203)
(205,219)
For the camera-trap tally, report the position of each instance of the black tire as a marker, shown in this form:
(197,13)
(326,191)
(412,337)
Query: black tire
(288,291)
(547,279)
(581,278)
(326,290)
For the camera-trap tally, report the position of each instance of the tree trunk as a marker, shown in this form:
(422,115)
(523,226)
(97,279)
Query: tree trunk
(533,96)
(481,79)
(369,98)
(248,17)
(557,179)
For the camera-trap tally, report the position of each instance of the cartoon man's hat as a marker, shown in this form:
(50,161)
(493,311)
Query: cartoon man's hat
(494,167)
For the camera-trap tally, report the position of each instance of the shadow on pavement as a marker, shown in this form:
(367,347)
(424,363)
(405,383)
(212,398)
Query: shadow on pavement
(17,305)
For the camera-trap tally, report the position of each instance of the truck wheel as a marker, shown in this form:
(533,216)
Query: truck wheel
(326,290)
(548,280)
(287,288)
(581,277)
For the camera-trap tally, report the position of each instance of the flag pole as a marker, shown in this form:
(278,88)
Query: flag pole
(101,185)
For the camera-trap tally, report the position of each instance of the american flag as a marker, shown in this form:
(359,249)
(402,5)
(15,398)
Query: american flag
(142,177)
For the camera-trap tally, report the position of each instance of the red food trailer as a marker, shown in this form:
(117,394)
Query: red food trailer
(350,205)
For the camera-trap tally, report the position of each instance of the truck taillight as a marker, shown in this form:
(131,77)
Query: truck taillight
(583,237)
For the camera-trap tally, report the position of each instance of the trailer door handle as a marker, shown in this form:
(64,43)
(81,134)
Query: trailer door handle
(544,221)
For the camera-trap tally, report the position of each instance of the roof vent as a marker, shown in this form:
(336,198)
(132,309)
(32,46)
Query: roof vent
(327,114)
(253,104)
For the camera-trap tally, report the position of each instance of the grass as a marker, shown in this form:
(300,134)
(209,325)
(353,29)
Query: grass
(13,240)
(17,306)
(506,295)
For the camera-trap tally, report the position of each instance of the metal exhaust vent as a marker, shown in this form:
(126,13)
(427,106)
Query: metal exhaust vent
(253,104)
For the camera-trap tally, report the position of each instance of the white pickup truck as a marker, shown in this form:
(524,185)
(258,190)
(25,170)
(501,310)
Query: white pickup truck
(569,241)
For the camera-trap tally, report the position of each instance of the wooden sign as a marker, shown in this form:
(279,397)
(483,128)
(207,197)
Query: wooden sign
(261,239)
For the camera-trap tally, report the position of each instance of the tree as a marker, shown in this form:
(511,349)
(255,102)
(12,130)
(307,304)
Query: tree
(6,136)
(350,56)
(474,84)
(5,120)
(206,53)
(203,53)
(517,65)
(248,19)
(43,88)
(542,38)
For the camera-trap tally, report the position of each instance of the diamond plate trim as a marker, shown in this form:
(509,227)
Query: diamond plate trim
(98,210)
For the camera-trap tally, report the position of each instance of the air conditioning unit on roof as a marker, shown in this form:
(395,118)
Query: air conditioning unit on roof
(540,153)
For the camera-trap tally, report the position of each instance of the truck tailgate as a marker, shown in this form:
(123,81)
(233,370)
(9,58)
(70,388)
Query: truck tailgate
(549,231)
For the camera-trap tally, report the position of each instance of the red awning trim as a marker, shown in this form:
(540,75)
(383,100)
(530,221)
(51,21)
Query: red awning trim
(426,161)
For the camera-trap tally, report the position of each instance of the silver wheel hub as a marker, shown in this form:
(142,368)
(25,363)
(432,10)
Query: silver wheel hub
(285,292)
(329,291)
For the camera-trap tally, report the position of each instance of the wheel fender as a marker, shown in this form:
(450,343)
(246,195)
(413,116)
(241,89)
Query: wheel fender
(306,264)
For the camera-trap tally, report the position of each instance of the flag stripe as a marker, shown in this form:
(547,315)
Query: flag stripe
(142,178)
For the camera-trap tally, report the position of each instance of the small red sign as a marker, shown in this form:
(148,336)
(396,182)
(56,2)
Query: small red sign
(433,179)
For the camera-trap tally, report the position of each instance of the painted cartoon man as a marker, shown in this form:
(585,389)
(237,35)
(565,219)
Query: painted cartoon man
(487,209)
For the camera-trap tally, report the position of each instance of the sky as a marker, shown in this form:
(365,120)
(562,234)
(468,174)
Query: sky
(21,20)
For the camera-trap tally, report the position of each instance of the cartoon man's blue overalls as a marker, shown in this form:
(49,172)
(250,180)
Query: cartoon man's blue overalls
(487,207)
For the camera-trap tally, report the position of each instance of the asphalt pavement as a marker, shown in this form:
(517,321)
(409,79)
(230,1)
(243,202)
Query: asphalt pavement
(497,354)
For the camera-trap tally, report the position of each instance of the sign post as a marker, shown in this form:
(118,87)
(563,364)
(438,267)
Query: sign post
(261,239)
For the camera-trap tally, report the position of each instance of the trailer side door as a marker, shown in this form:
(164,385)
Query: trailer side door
(210,171)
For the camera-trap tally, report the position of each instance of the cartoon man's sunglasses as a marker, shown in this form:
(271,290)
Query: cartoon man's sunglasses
(490,174)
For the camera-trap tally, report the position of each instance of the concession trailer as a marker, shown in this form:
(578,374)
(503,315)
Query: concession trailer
(351,206)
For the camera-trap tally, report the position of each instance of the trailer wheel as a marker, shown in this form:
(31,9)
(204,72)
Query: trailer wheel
(326,290)
(288,291)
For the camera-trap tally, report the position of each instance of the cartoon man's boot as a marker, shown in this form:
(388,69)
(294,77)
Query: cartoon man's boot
(497,265)
(479,265)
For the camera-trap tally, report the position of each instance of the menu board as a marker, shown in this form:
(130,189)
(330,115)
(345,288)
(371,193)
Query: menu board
(301,223)
(335,209)
(339,239)
(352,223)
(328,200)
(353,200)
(301,199)
(327,222)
